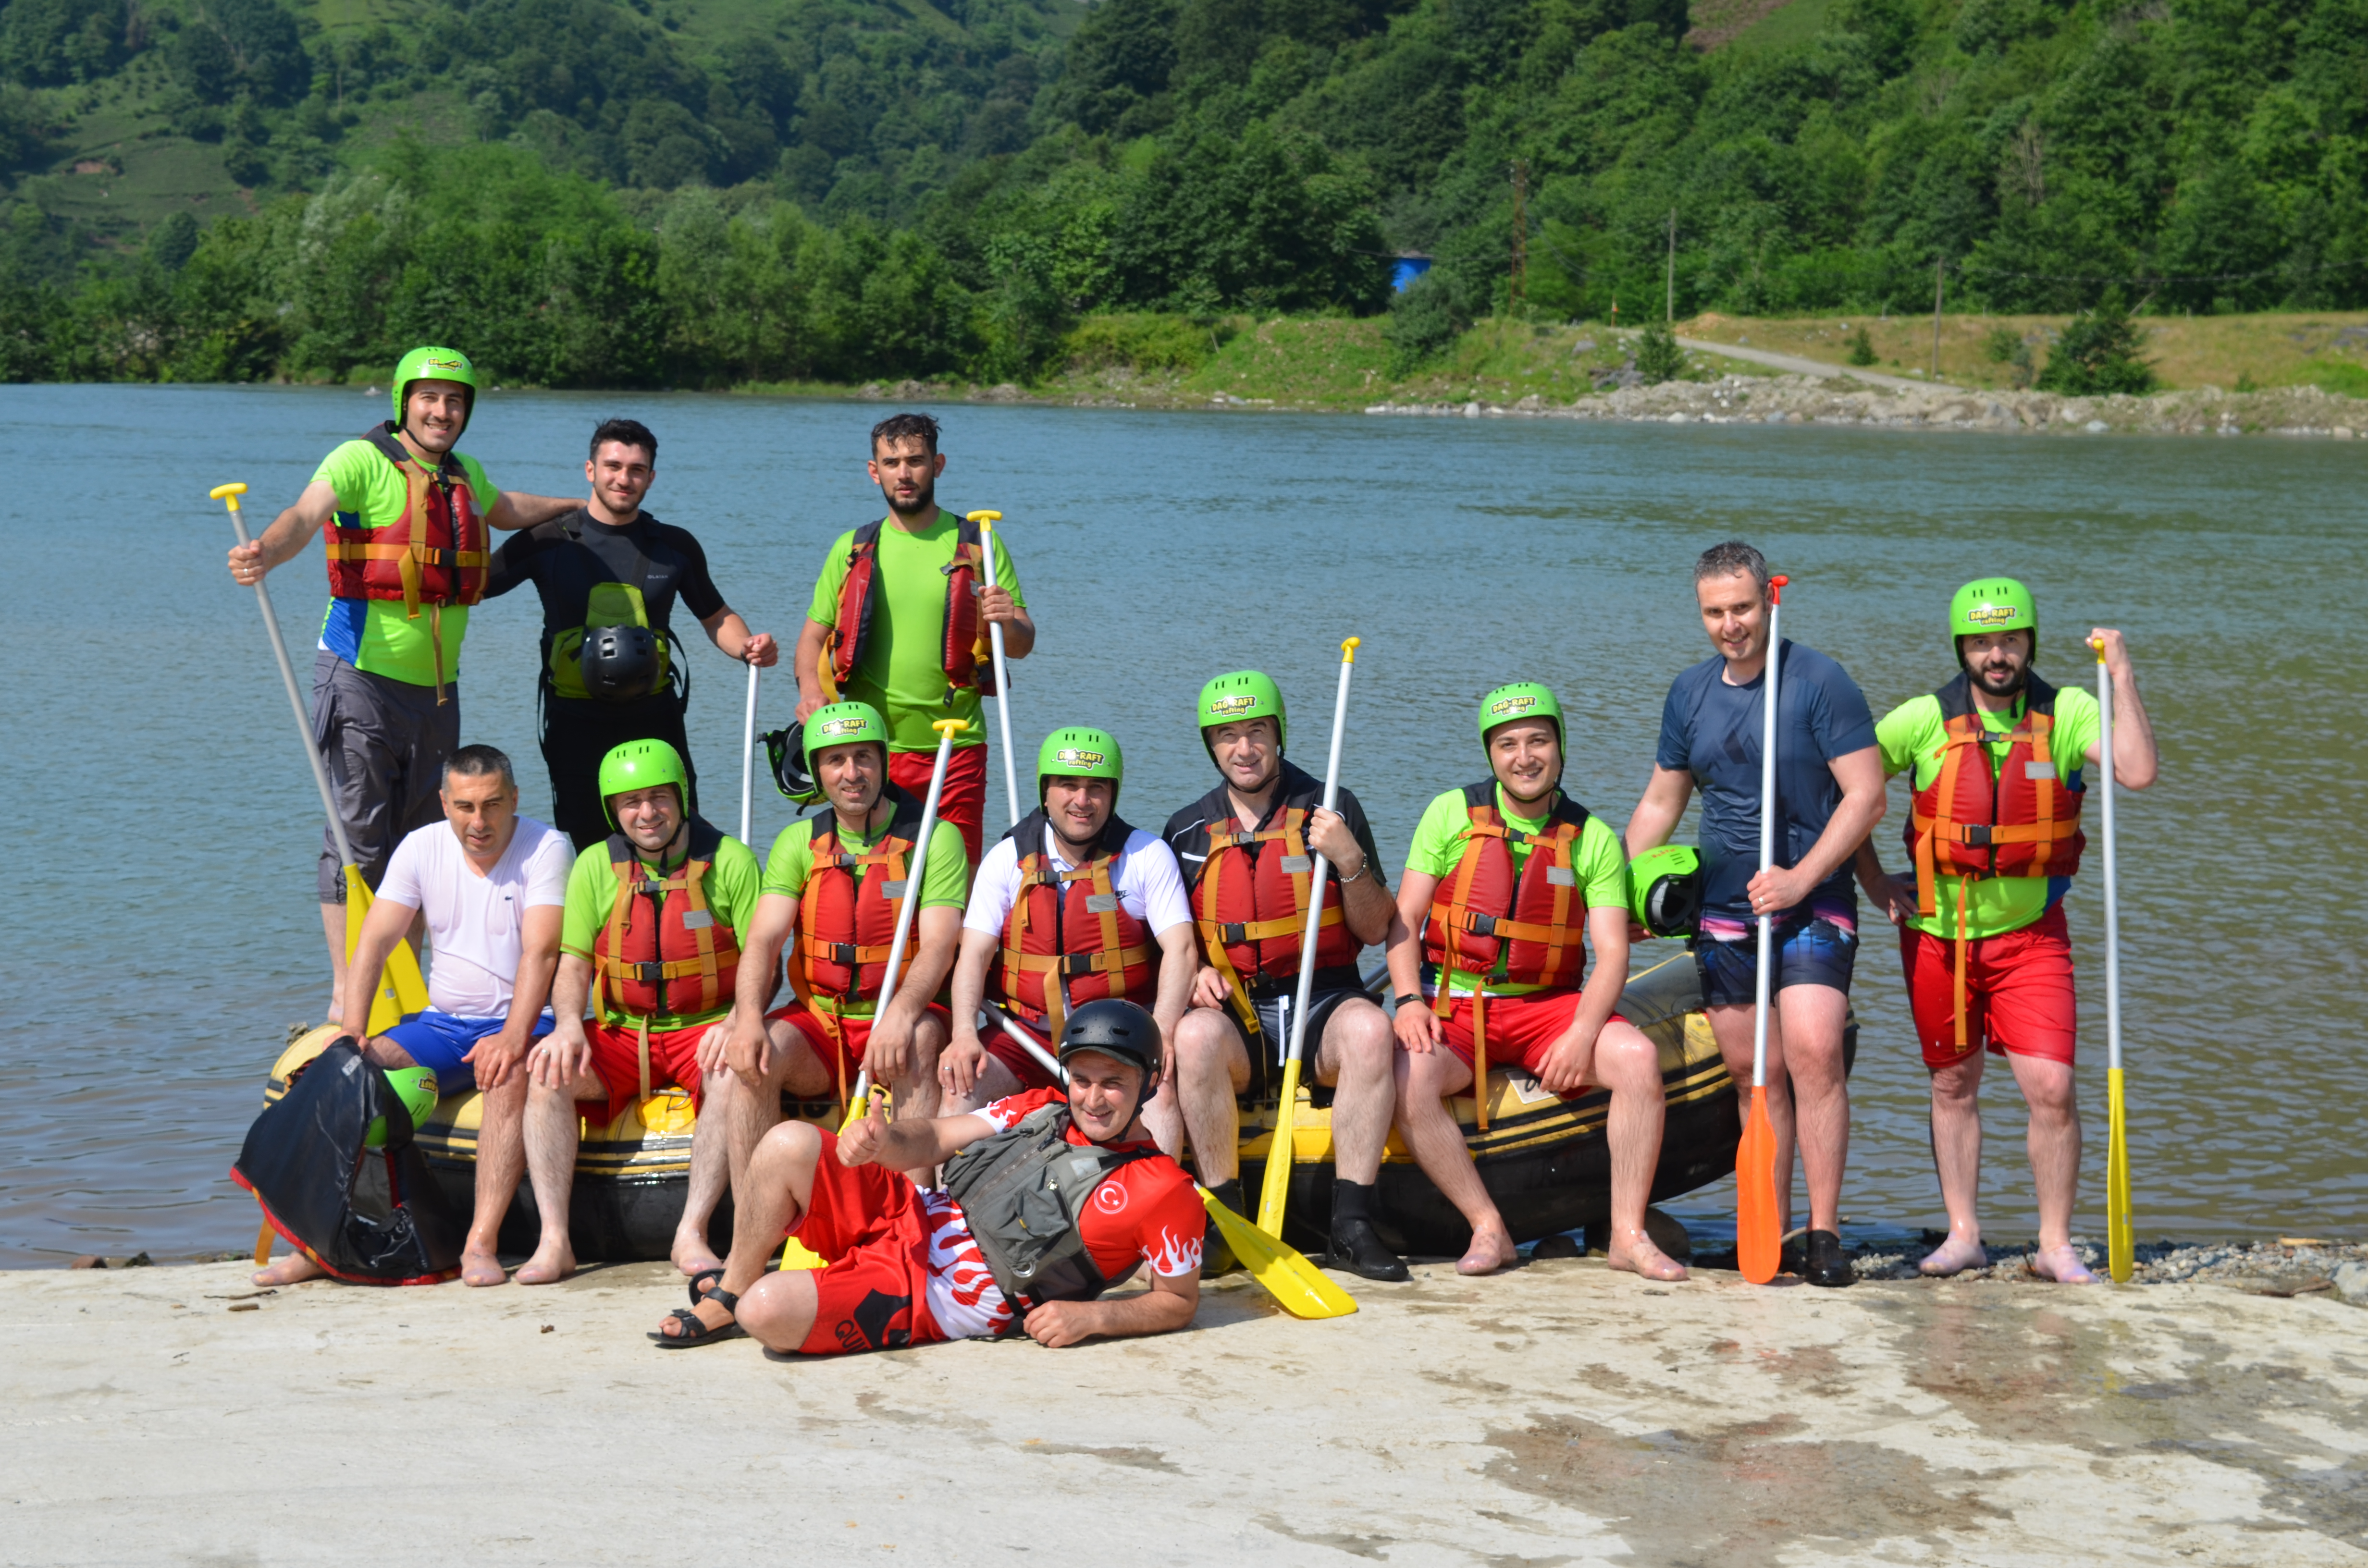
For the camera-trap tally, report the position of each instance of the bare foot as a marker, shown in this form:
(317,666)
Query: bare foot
(479,1267)
(693,1254)
(1637,1254)
(1491,1250)
(548,1265)
(289,1270)
(2061,1265)
(1959,1252)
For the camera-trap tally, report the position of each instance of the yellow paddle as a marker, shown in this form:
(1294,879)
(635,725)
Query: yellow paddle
(1297,1286)
(1758,1235)
(2120,1245)
(1282,1150)
(400,990)
(795,1253)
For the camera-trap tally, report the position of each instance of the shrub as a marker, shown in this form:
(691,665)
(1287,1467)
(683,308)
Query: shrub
(1658,357)
(1426,318)
(1147,341)
(2099,354)
(1861,347)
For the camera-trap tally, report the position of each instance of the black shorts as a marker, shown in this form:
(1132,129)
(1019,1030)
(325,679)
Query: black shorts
(1272,1043)
(578,732)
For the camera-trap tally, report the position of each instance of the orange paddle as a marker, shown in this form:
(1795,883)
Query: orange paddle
(1758,1234)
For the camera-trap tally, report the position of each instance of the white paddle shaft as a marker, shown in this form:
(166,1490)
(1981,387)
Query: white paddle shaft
(2112,897)
(1002,679)
(296,700)
(748,756)
(1323,866)
(1767,677)
(915,874)
(1044,1058)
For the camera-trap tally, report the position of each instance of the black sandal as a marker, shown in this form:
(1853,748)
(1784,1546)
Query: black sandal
(701,1278)
(695,1331)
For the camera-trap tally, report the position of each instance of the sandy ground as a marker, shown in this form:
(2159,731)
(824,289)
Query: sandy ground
(1559,1414)
(1795,365)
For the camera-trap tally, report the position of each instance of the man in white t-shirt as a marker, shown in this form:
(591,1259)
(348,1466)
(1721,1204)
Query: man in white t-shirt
(1071,905)
(491,884)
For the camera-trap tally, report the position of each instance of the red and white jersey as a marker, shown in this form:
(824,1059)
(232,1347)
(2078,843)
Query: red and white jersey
(1144,1212)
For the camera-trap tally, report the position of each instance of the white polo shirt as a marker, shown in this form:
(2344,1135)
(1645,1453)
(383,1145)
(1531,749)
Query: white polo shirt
(475,923)
(1148,885)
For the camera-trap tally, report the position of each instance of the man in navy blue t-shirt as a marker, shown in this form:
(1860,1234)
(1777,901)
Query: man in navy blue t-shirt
(1828,794)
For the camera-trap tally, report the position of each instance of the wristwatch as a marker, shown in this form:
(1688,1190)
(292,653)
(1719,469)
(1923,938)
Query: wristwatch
(1411,999)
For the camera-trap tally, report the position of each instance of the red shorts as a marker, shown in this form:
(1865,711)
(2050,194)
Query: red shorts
(617,1058)
(2018,994)
(1012,1054)
(963,801)
(1520,1029)
(840,1050)
(873,1293)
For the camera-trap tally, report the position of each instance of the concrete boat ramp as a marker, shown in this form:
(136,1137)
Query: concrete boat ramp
(1559,1414)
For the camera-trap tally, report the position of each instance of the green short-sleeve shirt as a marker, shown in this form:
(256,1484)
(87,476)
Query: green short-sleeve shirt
(1438,849)
(902,675)
(1910,738)
(945,880)
(377,635)
(729,888)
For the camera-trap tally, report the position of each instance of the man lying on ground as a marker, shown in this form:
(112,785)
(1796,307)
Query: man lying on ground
(912,1267)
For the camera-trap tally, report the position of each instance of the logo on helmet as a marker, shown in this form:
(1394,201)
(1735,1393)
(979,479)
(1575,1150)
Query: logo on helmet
(1227,707)
(1993,615)
(843,726)
(1506,707)
(1078,757)
(433,363)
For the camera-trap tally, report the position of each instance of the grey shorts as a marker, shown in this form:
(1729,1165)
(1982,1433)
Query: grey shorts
(385,743)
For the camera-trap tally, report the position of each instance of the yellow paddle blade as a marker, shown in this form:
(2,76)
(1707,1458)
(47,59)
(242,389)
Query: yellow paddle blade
(400,990)
(1758,1238)
(1275,1192)
(2121,1248)
(794,1255)
(1297,1285)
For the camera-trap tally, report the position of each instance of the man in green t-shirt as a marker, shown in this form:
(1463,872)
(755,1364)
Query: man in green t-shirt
(1996,757)
(837,880)
(658,958)
(405,519)
(1506,881)
(887,641)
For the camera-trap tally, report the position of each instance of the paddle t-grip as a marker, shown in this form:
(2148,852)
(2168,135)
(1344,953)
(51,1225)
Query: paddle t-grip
(1348,647)
(1776,588)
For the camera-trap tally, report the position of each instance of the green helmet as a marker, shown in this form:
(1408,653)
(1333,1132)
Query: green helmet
(1521,699)
(1078,751)
(1245,693)
(415,1087)
(1665,889)
(1992,604)
(840,724)
(640,764)
(433,365)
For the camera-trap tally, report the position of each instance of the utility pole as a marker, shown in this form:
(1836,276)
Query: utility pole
(1669,306)
(1521,231)
(1940,267)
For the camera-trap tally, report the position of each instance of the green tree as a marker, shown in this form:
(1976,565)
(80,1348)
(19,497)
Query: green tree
(2099,354)
(1658,357)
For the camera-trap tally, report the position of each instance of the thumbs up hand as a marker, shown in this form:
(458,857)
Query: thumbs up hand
(863,1142)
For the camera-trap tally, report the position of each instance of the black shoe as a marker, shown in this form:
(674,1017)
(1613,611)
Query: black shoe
(1216,1253)
(1355,1247)
(1826,1262)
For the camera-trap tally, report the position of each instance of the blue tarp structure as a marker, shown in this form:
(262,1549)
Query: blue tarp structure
(1407,269)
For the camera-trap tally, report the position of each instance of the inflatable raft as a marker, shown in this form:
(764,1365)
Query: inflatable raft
(1544,1158)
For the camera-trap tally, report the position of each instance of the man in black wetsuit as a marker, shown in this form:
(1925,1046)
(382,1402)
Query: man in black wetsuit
(609,574)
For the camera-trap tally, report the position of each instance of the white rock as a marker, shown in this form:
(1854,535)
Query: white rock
(2351,1283)
(2096,427)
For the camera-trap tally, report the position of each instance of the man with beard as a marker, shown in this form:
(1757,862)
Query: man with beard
(899,620)
(1828,794)
(1247,851)
(609,575)
(1997,754)
(1051,1198)
(1071,906)
(406,521)
(1505,883)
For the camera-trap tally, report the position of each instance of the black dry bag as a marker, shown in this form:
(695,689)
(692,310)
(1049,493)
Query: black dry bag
(368,1222)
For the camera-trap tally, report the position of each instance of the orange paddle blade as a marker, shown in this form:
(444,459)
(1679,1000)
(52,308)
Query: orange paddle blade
(1758,1240)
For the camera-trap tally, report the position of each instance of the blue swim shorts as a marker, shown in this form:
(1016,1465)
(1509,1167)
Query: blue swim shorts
(437,1042)
(1808,952)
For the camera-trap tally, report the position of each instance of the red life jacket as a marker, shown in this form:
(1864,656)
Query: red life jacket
(663,949)
(846,912)
(1479,915)
(964,652)
(2022,820)
(1253,913)
(1069,925)
(434,555)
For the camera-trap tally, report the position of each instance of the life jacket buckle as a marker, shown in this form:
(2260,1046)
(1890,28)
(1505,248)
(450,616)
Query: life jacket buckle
(649,972)
(1479,925)
(843,954)
(1233,934)
(1976,834)
(1080,963)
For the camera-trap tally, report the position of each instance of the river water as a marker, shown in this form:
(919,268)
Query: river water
(163,824)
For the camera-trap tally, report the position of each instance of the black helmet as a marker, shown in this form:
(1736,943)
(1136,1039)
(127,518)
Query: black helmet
(1117,1028)
(619,662)
(786,749)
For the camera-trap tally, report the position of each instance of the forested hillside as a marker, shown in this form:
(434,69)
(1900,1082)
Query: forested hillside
(705,192)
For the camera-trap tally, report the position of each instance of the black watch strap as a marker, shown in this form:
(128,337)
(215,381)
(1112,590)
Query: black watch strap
(1411,999)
